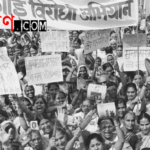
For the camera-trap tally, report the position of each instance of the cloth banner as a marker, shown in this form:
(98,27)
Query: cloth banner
(131,58)
(73,14)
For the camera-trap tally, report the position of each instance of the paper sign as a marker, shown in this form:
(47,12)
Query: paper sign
(106,110)
(71,121)
(55,41)
(44,69)
(96,39)
(9,82)
(131,40)
(131,58)
(34,125)
(96,92)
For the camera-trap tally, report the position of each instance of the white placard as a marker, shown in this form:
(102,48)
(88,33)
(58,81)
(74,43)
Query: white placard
(97,92)
(55,41)
(44,69)
(106,110)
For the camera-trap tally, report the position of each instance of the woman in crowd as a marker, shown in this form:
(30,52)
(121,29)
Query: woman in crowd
(142,139)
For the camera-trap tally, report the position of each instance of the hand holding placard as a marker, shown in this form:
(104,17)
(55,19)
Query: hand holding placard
(87,120)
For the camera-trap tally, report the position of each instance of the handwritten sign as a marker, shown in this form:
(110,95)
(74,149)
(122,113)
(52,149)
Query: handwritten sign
(96,39)
(96,92)
(55,41)
(106,110)
(44,69)
(9,82)
(131,58)
(131,40)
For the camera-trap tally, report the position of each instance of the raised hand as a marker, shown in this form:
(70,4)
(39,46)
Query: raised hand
(52,142)
(61,116)
(4,136)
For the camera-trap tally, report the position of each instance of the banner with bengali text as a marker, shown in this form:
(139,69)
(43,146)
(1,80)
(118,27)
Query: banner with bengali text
(72,14)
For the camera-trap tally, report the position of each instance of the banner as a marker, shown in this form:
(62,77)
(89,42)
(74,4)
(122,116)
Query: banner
(73,14)
(131,58)
(9,81)
(96,39)
(55,41)
(131,40)
(44,69)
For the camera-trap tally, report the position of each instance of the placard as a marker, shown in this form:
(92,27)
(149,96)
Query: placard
(130,56)
(106,110)
(34,125)
(130,40)
(9,82)
(44,69)
(96,92)
(96,39)
(55,41)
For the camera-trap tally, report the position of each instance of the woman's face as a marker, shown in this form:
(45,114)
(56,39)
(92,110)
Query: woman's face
(36,141)
(46,127)
(11,98)
(129,121)
(60,98)
(110,60)
(86,107)
(75,34)
(29,92)
(60,140)
(28,105)
(39,105)
(53,89)
(119,52)
(112,91)
(107,129)
(147,93)
(113,45)
(95,145)
(108,70)
(98,61)
(138,80)
(121,110)
(114,36)
(145,126)
(83,72)
(33,52)
(131,93)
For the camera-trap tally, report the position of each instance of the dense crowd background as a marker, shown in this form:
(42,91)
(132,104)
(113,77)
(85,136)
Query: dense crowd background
(39,118)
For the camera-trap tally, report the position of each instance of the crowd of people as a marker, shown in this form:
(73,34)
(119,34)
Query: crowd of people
(61,116)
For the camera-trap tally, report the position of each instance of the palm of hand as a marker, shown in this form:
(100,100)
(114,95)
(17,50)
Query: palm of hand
(4,137)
